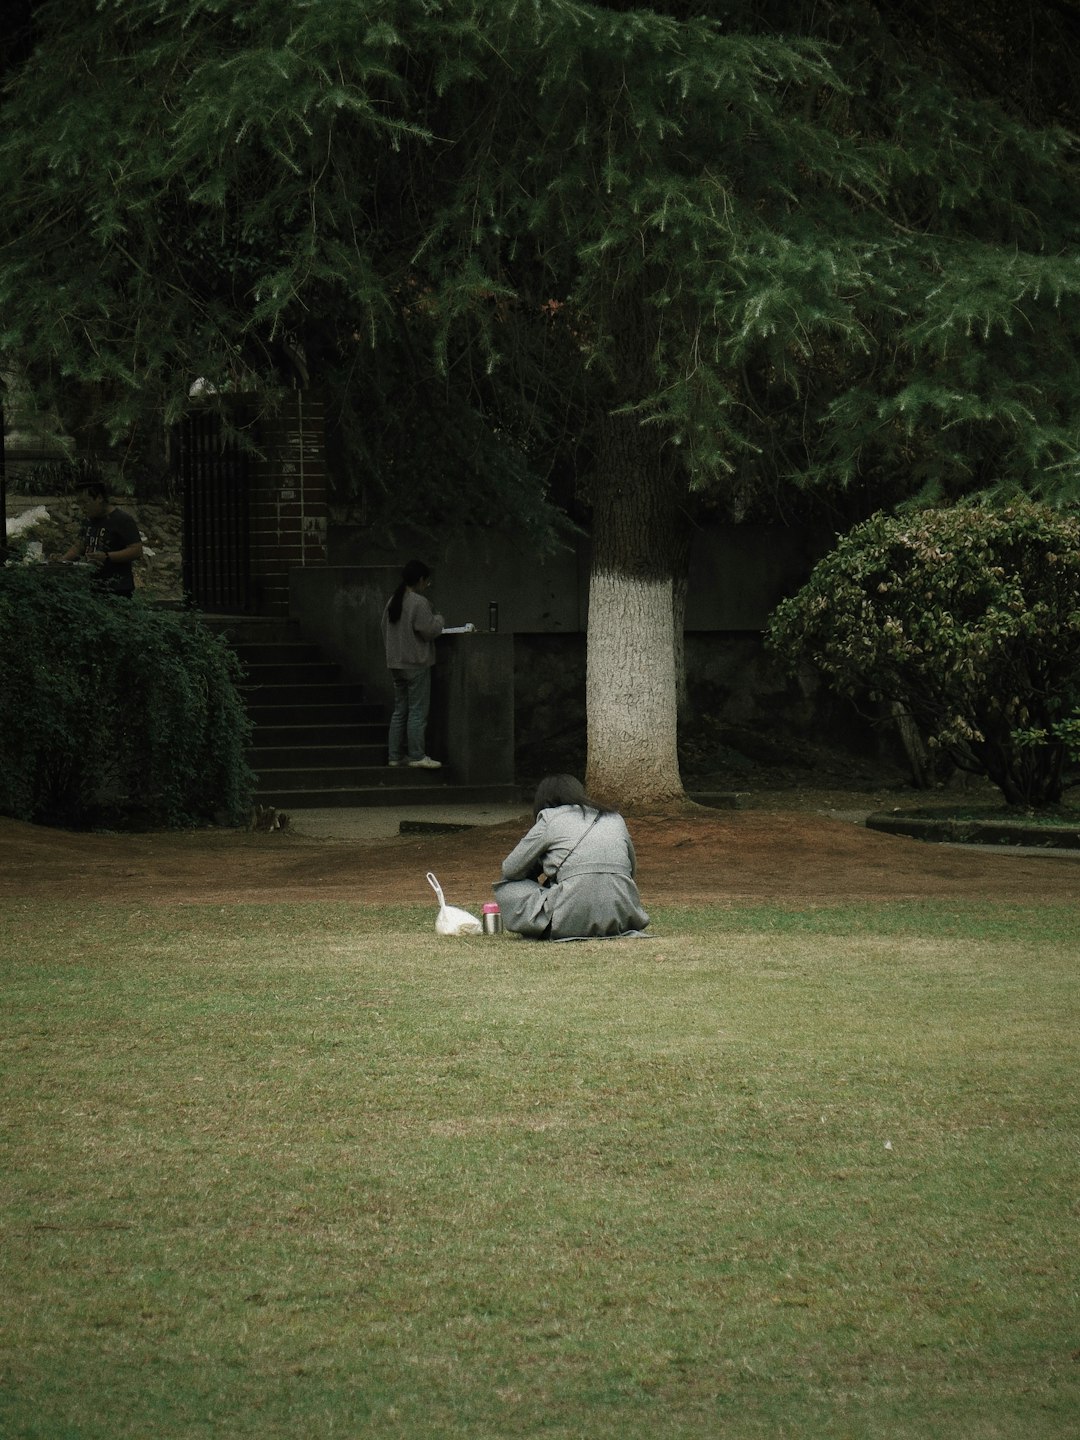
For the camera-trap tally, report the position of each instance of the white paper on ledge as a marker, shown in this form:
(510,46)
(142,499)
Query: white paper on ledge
(459,629)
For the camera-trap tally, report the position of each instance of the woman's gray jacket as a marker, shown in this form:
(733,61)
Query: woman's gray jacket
(589,859)
(410,641)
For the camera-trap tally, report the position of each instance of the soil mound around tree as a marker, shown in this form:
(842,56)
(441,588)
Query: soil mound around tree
(695,857)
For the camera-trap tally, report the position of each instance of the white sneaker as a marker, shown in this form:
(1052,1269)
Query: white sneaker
(426,763)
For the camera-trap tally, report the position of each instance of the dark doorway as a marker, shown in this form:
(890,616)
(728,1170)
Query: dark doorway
(215,475)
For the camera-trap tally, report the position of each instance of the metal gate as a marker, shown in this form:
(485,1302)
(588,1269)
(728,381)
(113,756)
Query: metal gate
(215,475)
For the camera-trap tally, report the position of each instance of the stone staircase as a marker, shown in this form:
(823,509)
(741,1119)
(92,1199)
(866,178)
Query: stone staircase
(317,741)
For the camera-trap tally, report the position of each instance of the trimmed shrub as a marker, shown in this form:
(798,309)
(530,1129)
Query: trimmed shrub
(968,618)
(111,710)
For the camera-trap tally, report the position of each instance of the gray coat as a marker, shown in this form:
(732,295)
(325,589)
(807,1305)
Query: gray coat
(410,641)
(593,893)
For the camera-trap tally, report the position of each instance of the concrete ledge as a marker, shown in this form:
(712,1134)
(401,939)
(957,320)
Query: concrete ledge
(383,822)
(976,832)
(718,799)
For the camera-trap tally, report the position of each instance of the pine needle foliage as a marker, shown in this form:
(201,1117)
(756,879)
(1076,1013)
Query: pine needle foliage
(809,265)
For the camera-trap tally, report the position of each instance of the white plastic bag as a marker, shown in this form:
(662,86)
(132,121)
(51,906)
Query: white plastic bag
(450,920)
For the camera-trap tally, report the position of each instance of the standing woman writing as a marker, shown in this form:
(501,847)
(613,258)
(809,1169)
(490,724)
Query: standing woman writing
(409,628)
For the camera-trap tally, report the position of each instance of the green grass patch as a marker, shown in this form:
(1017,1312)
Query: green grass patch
(314,1171)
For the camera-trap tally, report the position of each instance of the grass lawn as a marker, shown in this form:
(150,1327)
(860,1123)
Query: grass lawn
(292,1171)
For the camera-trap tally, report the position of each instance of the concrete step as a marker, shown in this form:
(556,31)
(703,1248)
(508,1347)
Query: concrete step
(277,652)
(254,629)
(263,757)
(290,672)
(389,794)
(349,777)
(296,716)
(302,695)
(272,736)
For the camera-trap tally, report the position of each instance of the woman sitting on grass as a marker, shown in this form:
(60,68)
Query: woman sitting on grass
(572,875)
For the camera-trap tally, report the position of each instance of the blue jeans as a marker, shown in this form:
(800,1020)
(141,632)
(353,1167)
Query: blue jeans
(412,698)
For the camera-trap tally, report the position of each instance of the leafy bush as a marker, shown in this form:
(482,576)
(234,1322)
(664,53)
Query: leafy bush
(969,618)
(110,708)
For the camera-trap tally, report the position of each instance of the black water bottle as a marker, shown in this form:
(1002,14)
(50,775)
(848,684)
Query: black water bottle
(493,616)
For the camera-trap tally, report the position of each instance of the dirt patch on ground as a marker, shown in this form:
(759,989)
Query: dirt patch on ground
(804,849)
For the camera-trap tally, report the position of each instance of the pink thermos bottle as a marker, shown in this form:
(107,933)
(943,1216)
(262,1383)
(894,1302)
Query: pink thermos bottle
(492,920)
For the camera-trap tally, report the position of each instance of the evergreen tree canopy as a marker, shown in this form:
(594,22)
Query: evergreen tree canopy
(804,263)
(788,250)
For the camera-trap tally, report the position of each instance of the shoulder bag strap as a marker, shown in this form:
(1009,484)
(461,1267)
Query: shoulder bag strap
(576,843)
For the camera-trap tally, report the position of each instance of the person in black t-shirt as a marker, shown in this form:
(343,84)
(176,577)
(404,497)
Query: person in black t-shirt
(109,539)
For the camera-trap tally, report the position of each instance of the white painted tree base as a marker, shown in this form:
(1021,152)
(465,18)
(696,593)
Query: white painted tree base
(630,692)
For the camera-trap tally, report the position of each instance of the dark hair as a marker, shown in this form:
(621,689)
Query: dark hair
(556,790)
(412,572)
(95,489)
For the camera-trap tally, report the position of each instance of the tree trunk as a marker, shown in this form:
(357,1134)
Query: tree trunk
(631,682)
(1031,777)
(912,741)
